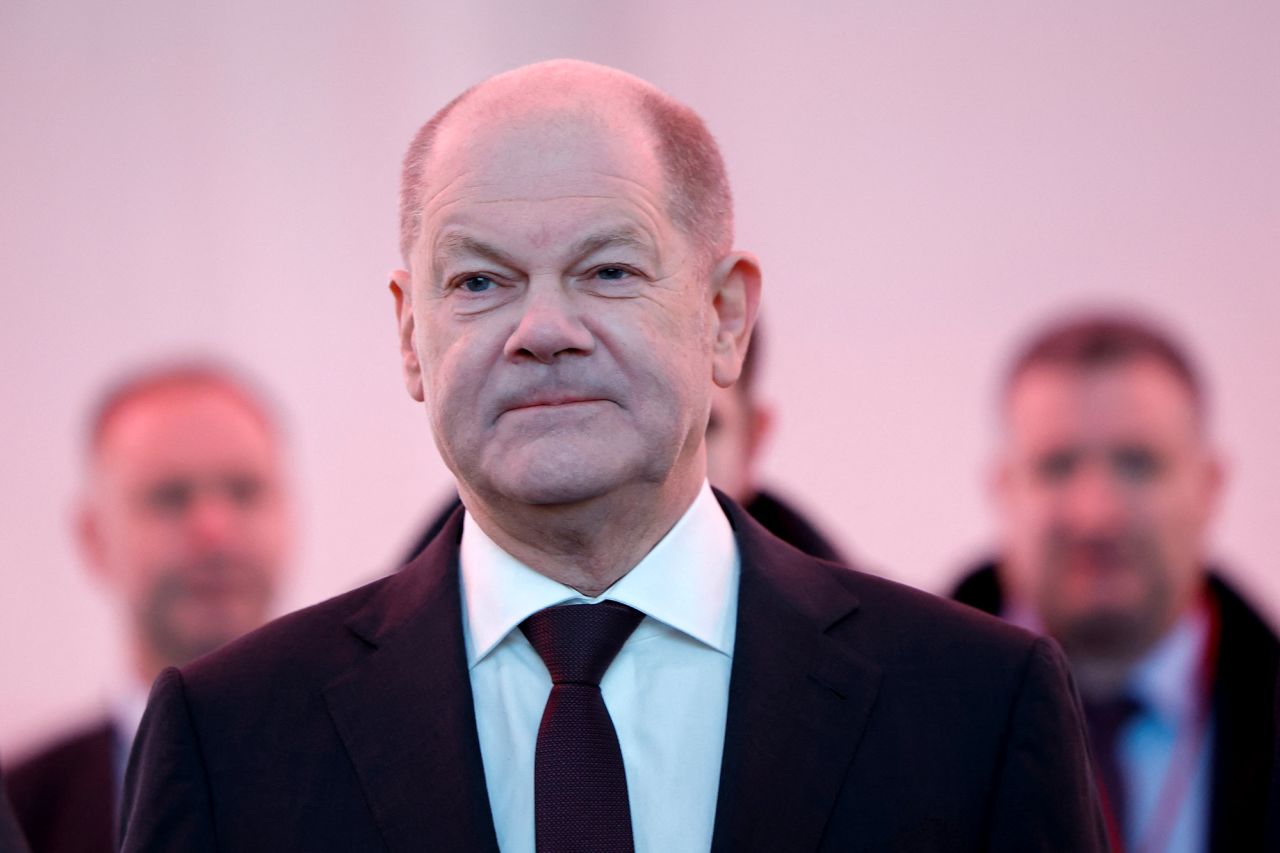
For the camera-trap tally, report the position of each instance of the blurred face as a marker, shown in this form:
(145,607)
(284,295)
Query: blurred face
(735,433)
(556,322)
(186,520)
(1106,490)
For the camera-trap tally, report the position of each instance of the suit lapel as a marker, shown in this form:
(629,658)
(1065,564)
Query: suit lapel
(798,699)
(405,712)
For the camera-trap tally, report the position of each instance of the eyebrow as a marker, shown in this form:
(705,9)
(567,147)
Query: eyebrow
(622,237)
(453,245)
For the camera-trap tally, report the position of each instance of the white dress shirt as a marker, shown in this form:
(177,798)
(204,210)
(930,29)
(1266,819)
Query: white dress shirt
(667,691)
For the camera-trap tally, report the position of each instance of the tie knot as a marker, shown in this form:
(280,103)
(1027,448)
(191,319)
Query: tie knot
(577,642)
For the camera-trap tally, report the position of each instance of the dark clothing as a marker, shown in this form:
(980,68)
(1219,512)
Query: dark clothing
(11,838)
(776,515)
(1273,816)
(1243,706)
(862,715)
(65,796)
(784,521)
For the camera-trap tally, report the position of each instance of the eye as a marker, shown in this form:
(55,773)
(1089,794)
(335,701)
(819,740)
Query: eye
(244,490)
(1136,463)
(613,273)
(1057,466)
(171,497)
(478,284)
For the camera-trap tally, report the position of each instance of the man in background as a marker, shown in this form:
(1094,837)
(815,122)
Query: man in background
(739,425)
(1106,483)
(183,519)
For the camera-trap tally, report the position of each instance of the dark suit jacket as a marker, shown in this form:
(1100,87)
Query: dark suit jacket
(863,715)
(1243,706)
(65,796)
(11,839)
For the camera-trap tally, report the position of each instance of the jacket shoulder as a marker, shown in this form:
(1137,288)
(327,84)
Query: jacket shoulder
(309,645)
(912,622)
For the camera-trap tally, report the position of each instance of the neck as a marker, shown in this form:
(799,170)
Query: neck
(591,544)
(1103,673)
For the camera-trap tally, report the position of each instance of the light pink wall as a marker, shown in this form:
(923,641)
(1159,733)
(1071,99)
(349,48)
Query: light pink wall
(921,181)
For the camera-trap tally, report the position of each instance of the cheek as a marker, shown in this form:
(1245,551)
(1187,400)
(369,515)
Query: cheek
(453,375)
(266,533)
(1031,510)
(1177,515)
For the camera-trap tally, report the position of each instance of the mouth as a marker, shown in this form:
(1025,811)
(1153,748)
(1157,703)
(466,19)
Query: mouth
(552,402)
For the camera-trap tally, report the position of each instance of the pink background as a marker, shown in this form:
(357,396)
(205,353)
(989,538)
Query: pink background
(922,181)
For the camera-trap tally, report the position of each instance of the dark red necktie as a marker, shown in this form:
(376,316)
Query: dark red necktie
(579,785)
(1105,720)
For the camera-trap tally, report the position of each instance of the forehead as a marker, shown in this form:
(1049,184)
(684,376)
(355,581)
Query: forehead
(184,428)
(1134,401)
(542,167)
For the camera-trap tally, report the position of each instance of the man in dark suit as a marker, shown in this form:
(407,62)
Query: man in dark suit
(183,520)
(1106,483)
(600,654)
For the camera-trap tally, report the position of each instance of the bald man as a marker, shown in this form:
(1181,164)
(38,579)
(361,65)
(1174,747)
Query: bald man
(183,522)
(600,653)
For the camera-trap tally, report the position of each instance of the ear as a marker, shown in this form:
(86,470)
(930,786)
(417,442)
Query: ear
(999,479)
(1215,473)
(401,287)
(89,538)
(735,300)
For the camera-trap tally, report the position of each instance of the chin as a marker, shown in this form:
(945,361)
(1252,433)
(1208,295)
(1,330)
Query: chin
(560,478)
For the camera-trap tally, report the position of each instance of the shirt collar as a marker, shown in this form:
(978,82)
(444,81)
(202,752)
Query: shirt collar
(688,581)
(1167,680)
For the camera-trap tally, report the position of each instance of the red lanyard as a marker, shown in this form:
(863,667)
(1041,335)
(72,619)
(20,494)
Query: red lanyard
(1187,751)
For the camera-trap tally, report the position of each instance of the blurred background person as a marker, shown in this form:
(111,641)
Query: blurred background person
(1106,483)
(184,520)
(737,429)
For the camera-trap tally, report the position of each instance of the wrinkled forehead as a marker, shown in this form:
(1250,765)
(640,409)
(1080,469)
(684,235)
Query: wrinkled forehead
(1139,400)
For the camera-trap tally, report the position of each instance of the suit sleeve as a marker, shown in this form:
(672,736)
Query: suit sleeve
(1045,797)
(167,803)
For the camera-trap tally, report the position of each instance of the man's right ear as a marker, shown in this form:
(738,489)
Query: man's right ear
(400,290)
(89,539)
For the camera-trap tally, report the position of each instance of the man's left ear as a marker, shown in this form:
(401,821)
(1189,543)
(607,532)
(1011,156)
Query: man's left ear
(735,300)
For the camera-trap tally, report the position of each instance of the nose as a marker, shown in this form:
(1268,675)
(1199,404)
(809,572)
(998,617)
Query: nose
(211,520)
(550,325)
(1094,503)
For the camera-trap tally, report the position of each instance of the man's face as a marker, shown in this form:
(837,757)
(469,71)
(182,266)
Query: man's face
(186,520)
(557,323)
(1106,489)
